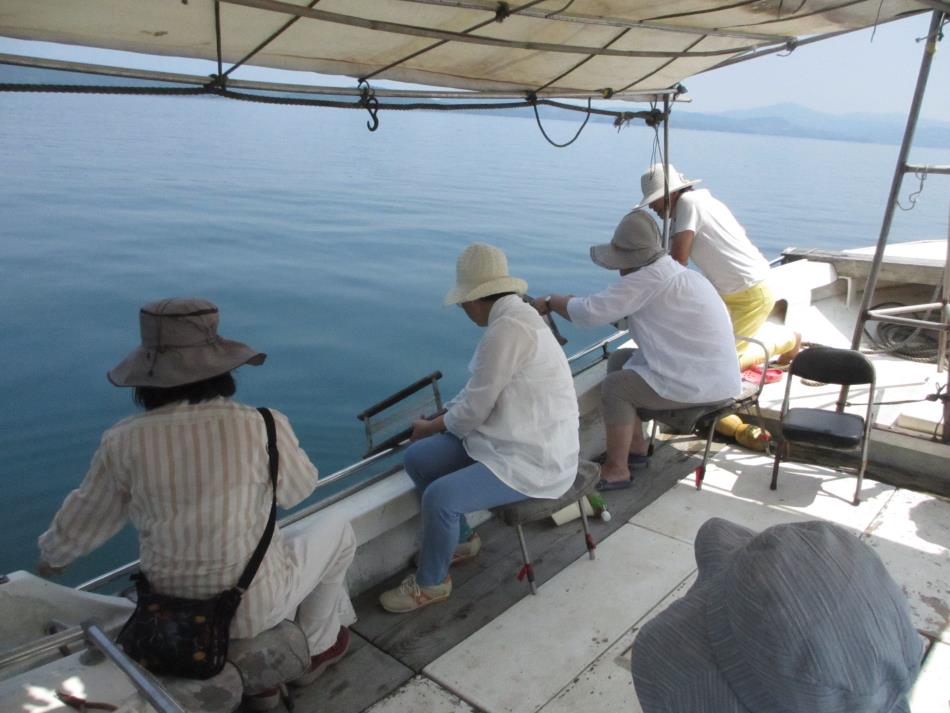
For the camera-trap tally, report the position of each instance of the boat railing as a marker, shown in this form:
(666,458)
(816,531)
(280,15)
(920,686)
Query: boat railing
(146,684)
(601,346)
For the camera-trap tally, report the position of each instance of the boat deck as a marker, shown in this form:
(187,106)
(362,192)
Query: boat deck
(495,648)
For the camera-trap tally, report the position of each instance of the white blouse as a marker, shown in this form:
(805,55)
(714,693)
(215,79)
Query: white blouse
(518,412)
(687,351)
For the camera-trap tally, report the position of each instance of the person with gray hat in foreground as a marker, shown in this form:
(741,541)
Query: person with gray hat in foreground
(704,229)
(800,618)
(510,434)
(685,353)
(191,474)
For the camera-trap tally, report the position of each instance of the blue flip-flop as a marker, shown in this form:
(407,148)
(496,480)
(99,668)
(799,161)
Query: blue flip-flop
(637,461)
(605,485)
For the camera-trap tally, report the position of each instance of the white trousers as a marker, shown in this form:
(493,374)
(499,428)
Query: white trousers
(318,599)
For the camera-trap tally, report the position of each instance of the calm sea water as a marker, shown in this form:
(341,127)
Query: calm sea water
(328,247)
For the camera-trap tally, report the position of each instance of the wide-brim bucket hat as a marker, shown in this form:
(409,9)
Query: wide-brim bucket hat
(482,270)
(651,183)
(801,618)
(635,244)
(181,345)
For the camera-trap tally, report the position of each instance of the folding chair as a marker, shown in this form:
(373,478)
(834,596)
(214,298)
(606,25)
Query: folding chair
(822,427)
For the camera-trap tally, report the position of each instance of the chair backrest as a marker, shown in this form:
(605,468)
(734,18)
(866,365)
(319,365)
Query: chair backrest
(833,366)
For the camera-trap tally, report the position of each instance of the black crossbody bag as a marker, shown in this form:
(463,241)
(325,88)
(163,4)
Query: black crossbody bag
(173,636)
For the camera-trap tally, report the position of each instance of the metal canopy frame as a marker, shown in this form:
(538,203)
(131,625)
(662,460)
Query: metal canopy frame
(895,315)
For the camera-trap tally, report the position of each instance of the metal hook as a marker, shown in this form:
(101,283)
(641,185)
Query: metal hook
(370,103)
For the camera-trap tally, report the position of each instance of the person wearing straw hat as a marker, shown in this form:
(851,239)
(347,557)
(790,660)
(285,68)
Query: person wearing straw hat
(704,229)
(685,353)
(510,434)
(191,474)
(800,618)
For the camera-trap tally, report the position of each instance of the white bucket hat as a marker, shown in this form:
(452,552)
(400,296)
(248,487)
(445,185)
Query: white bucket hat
(651,183)
(800,618)
(180,345)
(635,244)
(482,270)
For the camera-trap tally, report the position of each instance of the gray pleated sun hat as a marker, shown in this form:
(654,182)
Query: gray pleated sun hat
(181,345)
(635,244)
(801,618)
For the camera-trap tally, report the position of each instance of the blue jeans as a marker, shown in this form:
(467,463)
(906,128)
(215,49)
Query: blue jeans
(451,484)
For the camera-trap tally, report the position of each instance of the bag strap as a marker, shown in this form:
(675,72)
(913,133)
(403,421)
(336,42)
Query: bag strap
(273,460)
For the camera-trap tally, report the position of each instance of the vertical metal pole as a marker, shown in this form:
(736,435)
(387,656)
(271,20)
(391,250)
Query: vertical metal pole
(930,49)
(945,299)
(666,172)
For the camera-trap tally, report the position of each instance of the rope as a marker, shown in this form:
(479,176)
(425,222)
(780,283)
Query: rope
(214,89)
(913,343)
(537,118)
(921,176)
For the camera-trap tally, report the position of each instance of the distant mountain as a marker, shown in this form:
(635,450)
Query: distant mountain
(796,120)
(776,120)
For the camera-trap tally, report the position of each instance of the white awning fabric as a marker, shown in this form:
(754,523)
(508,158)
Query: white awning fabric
(598,48)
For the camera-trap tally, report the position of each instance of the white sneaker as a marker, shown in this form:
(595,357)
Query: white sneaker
(409,596)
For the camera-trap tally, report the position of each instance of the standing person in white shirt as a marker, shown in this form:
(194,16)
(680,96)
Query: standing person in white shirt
(509,435)
(191,474)
(685,353)
(704,229)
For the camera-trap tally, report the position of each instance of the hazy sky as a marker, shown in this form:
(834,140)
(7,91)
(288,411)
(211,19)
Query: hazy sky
(852,73)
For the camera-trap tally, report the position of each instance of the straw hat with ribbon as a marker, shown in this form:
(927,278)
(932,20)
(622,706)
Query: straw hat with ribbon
(482,270)
(180,345)
(651,183)
(800,618)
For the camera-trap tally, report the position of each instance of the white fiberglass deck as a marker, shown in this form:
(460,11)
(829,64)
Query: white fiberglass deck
(568,649)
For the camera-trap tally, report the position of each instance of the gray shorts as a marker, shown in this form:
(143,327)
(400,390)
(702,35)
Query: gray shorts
(623,391)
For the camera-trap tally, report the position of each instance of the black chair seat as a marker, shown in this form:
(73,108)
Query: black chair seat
(823,428)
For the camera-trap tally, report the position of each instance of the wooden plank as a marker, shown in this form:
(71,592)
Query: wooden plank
(486,587)
(364,676)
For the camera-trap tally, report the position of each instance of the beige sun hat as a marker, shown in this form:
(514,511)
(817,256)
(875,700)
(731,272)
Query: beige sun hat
(636,244)
(651,183)
(482,270)
(180,345)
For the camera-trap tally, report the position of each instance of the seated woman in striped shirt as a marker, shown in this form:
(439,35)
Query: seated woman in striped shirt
(191,473)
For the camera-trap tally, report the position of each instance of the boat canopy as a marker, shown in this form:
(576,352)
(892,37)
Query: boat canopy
(536,48)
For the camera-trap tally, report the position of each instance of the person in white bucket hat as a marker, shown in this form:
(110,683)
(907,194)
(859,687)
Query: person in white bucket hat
(704,229)
(191,474)
(510,434)
(799,618)
(685,353)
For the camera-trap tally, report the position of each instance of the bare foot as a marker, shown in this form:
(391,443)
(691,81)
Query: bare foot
(787,357)
(614,473)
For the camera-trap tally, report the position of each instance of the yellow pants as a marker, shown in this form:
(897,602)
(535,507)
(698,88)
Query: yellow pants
(749,309)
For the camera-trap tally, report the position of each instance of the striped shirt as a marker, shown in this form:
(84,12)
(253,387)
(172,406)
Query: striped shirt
(193,479)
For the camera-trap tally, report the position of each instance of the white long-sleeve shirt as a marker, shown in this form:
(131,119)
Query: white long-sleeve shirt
(518,412)
(194,481)
(686,352)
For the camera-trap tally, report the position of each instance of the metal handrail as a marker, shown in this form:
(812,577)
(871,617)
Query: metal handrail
(118,572)
(126,569)
(146,684)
